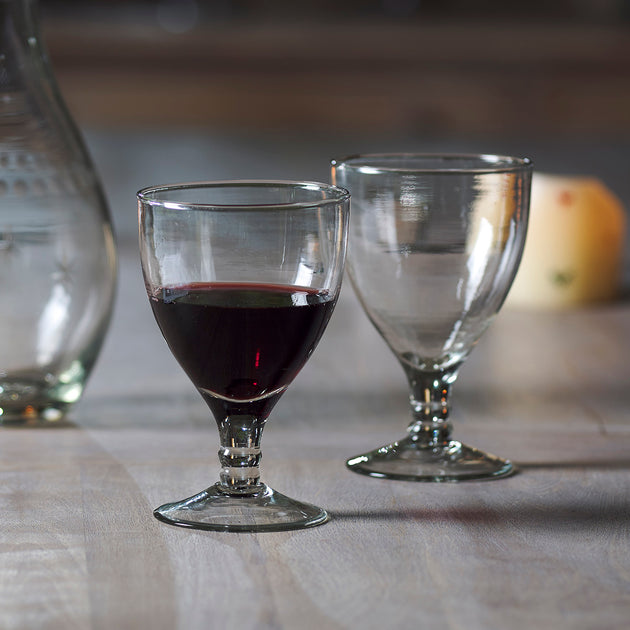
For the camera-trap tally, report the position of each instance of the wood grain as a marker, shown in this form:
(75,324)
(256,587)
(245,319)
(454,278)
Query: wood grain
(549,547)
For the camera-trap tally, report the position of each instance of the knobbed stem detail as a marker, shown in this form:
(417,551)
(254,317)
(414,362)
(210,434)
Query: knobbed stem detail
(240,454)
(430,405)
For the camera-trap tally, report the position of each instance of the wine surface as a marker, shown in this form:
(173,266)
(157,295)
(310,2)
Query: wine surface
(238,341)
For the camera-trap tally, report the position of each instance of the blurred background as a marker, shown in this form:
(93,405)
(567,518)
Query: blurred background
(172,90)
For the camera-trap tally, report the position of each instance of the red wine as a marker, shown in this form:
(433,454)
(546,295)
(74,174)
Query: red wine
(241,342)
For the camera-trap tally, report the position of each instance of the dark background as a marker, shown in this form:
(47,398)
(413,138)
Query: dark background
(171,90)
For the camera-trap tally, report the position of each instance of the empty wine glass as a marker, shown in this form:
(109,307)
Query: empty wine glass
(435,242)
(242,279)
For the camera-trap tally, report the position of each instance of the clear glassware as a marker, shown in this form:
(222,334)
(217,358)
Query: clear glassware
(435,242)
(57,252)
(242,278)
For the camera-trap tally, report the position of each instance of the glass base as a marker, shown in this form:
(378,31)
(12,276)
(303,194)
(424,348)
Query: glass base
(30,399)
(32,413)
(264,511)
(408,460)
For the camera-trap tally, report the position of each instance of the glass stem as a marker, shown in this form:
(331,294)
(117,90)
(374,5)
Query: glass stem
(430,406)
(240,453)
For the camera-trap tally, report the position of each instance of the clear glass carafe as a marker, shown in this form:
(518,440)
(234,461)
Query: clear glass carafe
(57,252)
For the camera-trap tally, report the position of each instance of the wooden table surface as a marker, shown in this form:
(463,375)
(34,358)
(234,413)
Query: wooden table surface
(546,548)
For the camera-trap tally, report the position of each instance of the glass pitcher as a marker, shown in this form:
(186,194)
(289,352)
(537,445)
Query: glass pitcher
(57,251)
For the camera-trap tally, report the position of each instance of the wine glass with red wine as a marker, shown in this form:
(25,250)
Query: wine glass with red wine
(242,278)
(435,242)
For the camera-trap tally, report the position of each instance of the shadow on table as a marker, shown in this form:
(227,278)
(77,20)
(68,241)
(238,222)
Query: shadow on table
(611,464)
(534,514)
(36,424)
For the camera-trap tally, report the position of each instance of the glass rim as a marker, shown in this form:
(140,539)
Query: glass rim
(339,194)
(479,163)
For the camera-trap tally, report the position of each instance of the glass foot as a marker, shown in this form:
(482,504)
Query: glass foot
(264,511)
(408,460)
